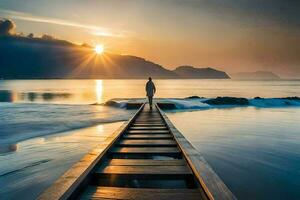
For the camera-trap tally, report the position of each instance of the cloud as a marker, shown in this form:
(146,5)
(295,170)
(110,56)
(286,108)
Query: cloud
(96,30)
(7,27)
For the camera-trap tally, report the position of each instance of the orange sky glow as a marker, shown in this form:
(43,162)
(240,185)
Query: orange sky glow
(228,36)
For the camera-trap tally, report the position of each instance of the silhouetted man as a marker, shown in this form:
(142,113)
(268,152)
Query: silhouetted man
(150,89)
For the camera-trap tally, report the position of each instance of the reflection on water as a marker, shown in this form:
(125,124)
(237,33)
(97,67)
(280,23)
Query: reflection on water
(6,96)
(259,146)
(47,96)
(100,128)
(100,91)
(10,96)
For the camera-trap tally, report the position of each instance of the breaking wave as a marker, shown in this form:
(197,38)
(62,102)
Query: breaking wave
(208,103)
(21,121)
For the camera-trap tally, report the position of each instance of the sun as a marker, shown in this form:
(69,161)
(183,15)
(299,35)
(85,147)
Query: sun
(99,49)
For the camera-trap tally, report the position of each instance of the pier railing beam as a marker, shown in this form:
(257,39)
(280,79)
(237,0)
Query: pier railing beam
(211,183)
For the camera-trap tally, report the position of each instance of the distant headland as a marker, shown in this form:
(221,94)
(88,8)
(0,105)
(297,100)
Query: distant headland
(33,58)
(200,73)
(257,75)
(45,57)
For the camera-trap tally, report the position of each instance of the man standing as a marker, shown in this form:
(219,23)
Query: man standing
(150,89)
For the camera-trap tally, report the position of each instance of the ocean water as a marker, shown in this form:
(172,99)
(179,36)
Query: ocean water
(37,162)
(253,148)
(255,151)
(99,91)
(20,121)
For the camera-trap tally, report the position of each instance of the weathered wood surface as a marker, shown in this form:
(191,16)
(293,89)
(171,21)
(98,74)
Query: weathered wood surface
(212,184)
(148,136)
(146,170)
(148,128)
(71,180)
(101,193)
(145,162)
(148,124)
(146,152)
(148,131)
(156,150)
(146,143)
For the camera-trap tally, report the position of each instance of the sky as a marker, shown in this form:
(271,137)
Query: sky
(230,35)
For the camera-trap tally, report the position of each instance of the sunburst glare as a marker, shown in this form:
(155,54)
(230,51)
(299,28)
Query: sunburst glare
(99,49)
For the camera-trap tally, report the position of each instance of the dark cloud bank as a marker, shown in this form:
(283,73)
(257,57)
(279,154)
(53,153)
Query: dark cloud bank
(6,27)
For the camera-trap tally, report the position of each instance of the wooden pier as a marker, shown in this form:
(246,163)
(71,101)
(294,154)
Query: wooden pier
(147,158)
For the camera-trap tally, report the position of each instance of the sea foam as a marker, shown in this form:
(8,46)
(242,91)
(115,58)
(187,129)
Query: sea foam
(20,121)
(194,103)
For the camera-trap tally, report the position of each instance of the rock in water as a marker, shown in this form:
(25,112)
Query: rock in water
(227,101)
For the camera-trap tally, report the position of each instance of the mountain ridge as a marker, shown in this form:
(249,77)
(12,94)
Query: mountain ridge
(187,71)
(49,58)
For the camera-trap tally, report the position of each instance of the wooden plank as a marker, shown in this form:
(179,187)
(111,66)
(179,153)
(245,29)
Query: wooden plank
(149,113)
(147,136)
(149,116)
(149,119)
(145,170)
(127,142)
(142,165)
(156,150)
(71,181)
(145,162)
(148,128)
(154,114)
(101,193)
(148,131)
(148,124)
(211,183)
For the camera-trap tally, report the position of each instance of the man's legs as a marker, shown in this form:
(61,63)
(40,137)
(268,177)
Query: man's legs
(150,101)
